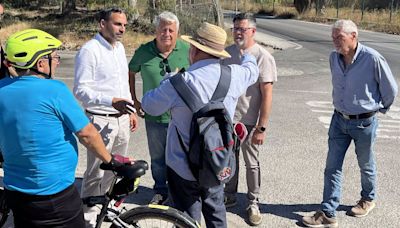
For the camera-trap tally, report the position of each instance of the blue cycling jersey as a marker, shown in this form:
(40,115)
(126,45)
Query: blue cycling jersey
(37,121)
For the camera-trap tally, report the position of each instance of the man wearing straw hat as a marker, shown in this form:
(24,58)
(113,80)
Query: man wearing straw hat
(206,50)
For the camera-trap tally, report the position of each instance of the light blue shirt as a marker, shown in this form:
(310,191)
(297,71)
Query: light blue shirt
(203,77)
(366,85)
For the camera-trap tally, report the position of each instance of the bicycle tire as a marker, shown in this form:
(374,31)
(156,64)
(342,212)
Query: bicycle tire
(140,216)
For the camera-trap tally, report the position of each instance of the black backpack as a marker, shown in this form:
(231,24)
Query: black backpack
(212,140)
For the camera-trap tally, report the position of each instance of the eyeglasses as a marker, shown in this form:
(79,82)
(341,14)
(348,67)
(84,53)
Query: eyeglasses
(241,30)
(164,65)
(57,58)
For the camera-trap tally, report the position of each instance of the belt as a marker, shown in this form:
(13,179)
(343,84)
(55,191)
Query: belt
(356,117)
(116,115)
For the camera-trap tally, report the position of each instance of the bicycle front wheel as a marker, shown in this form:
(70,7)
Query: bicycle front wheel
(157,216)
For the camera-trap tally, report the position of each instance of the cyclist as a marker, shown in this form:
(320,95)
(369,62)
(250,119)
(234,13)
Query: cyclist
(38,118)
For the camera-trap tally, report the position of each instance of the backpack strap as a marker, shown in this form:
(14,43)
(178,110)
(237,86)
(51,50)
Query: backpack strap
(3,68)
(223,84)
(188,95)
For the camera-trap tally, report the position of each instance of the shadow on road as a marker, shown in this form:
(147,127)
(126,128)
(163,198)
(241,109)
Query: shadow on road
(289,211)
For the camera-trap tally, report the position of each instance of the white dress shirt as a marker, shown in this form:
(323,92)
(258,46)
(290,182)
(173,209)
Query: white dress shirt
(101,73)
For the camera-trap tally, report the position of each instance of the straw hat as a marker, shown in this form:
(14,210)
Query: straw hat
(210,39)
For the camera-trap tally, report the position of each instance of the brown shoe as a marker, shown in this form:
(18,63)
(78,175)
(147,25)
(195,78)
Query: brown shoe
(362,208)
(319,219)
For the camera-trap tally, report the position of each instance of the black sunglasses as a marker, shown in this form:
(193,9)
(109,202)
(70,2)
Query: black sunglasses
(164,65)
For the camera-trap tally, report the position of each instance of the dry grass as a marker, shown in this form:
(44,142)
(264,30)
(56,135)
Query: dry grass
(133,40)
(5,32)
(73,33)
(375,20)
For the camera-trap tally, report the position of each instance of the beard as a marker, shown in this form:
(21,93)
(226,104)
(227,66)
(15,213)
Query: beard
(240,43)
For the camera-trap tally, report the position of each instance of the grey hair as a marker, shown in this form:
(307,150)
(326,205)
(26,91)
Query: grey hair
(168,17)
(246,16)
(347,26)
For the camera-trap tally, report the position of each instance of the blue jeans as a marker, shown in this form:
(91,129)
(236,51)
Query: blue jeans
(193,199)
(341,133)
(156,139)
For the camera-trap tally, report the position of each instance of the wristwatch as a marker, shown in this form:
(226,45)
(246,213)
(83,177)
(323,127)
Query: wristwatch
(260,129)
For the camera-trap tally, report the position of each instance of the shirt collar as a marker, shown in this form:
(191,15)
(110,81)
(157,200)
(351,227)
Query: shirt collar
(358,50)
(105,43)
(156,51)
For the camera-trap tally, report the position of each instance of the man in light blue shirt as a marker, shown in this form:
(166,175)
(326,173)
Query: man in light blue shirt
(363,85)
(207,47)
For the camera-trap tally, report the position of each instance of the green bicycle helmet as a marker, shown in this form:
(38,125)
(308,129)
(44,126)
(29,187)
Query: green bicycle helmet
(25,47)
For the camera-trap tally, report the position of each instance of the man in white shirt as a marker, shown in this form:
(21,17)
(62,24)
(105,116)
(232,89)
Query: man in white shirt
(101,84)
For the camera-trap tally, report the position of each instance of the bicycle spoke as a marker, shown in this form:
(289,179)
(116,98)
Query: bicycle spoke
(153,223)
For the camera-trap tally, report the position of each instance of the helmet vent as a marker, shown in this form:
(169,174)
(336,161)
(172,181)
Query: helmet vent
(22,54)
(30,38)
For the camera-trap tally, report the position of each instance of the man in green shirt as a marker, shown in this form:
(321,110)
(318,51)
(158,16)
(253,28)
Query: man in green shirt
(153,60)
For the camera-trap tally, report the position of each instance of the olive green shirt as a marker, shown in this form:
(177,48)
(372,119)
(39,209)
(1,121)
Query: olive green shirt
(152,67)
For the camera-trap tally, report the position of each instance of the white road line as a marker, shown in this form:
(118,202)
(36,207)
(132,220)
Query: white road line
(389,126)
(388,137)
(387,130)
(389,121)
(325,119)
(320,104)
(322,111)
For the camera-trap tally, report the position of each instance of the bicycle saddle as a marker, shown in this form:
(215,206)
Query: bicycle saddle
(137,169)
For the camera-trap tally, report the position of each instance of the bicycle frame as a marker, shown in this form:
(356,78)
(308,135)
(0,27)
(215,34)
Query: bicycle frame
(120,189)
(105,200)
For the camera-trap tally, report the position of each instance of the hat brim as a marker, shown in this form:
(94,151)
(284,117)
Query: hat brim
(221,54)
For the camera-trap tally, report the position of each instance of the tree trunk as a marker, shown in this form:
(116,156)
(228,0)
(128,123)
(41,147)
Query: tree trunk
(302,6)
(132,3)
(132,10)
(219,17)
(68,6)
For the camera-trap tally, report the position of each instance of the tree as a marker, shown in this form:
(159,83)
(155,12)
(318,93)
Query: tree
(68,6)
(219,16)
(302,6)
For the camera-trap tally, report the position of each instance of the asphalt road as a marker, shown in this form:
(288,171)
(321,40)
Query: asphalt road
(293,157)
(317,38)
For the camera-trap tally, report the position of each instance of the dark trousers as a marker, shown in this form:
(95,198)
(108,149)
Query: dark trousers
(63,209)
(193,199)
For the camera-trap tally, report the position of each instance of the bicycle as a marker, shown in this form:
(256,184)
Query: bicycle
(125,183)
